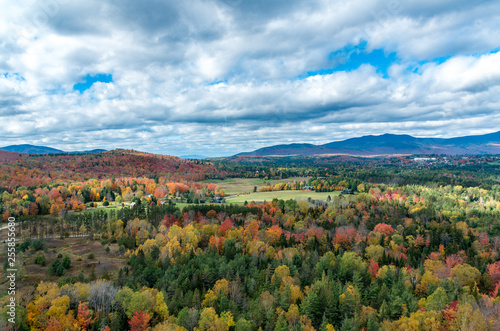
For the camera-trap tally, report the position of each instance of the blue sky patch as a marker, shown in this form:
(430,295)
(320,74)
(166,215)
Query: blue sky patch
(13,75)
(416,68)
(351,57)
(219,82)
(89,80)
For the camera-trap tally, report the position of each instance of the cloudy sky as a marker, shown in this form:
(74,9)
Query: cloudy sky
(218,77)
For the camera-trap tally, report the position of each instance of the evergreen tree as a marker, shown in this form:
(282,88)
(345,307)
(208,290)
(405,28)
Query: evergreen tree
(324,323)
(347,325)
(372,324)
(312,308)
(286,298)
(282,324)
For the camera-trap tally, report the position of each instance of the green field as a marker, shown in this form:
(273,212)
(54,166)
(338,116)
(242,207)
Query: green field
(283,195)
(246,185)
(242,189)
(110,207)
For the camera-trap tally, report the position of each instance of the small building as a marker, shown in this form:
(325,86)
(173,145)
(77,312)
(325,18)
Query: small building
(347,191)
(308,188)
(218,199)
(132,205)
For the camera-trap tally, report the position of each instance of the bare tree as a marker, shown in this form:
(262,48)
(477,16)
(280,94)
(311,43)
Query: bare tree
(101,296)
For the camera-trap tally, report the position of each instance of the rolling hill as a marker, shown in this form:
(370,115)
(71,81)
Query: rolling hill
(390,144)
(31,149)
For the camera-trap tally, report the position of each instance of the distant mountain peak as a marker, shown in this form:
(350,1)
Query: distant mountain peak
(32,149)
(390,144)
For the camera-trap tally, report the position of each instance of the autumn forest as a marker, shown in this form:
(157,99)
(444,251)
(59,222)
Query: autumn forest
(124,240)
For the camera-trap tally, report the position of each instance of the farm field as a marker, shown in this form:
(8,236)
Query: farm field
(247,185)
(108,208)
(283,195)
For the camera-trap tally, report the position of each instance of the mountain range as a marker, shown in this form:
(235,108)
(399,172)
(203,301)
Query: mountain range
(389,144)
(385,144)
(31,149)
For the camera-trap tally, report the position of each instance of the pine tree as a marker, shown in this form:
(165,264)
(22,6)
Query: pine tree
(282,324)
(312,307)
(372,324)
(347,325)
(332,306)
(324,323)
(286,298)
(357,280)
(384,311)
(92,276)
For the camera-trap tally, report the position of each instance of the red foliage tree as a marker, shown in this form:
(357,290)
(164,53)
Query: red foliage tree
(449,313)
(83,317)
(140,321)
(373,268)
(226,225)
(384,229)
(345,236)
(217,242)
(494,271)
(274,233)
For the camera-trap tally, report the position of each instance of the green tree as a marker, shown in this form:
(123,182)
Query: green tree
(66,262)
(286,298)
(312,307)
(372,324)
(243,325)
(437,300)
(281,324)
(347,325)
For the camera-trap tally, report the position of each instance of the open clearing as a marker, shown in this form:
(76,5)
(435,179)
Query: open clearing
(283,195)
(246,185)
(75,248)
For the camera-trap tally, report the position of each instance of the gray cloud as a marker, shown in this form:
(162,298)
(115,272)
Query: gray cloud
(218,77)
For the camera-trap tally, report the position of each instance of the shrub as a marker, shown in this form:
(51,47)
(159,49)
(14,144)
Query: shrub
(105,203)
(38,245)
(41,260)
(106,275)
(54,267)
(90,256)
(128,242)
(93,275)
(66,262)
(60,270)
(25,245)
(65,280)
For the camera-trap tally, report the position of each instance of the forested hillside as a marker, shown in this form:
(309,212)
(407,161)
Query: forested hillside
(46,184)
(403,249)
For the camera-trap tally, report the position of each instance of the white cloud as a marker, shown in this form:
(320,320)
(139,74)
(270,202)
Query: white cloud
(224,76)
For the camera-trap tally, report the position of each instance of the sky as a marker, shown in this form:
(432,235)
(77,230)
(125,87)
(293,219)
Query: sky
(220,77)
